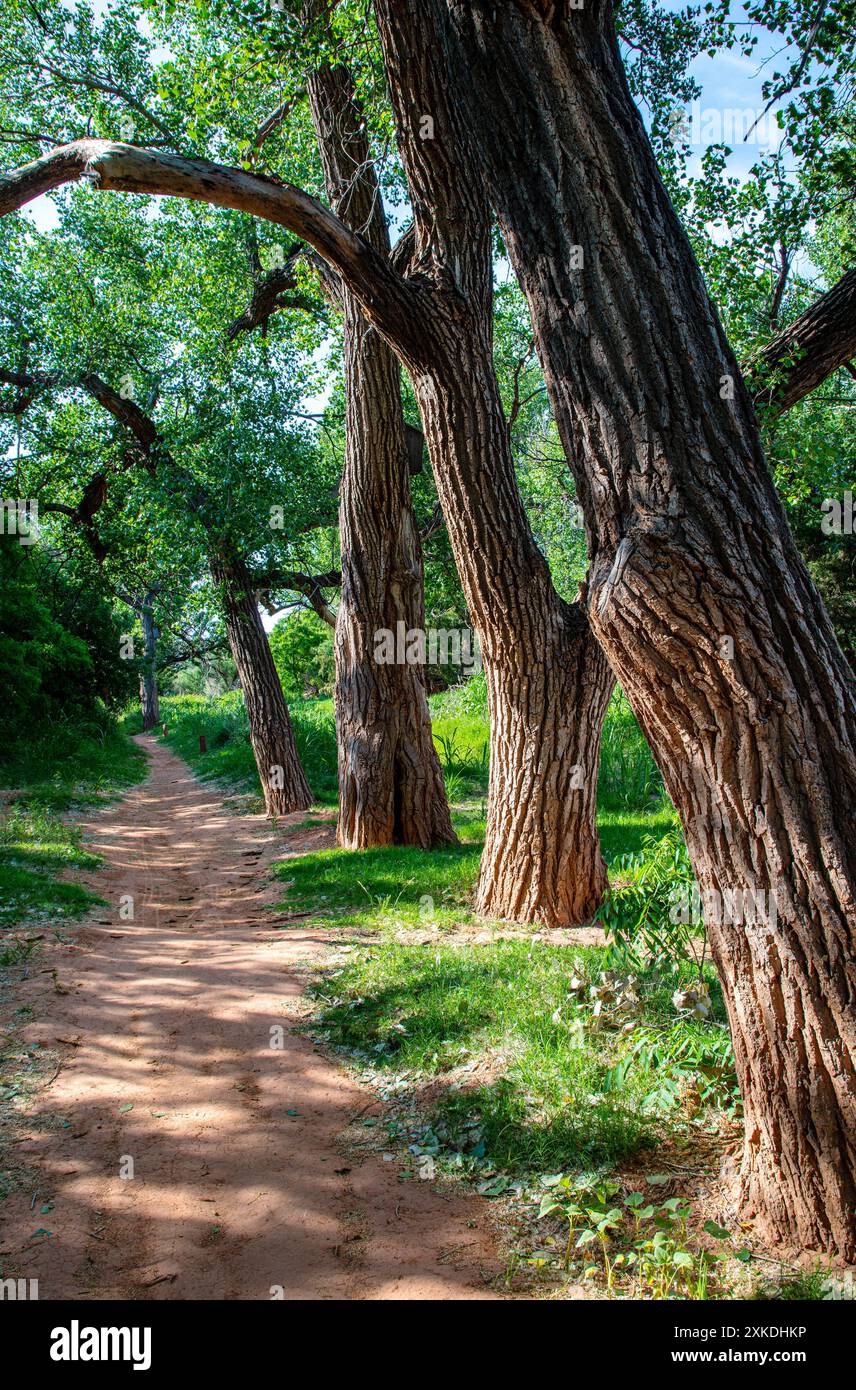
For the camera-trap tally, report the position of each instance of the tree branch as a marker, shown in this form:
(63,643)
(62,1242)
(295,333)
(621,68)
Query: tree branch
(126,168)
(310,585)
(268,298)
(814,345)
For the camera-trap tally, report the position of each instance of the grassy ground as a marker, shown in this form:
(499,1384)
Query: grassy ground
(42,780)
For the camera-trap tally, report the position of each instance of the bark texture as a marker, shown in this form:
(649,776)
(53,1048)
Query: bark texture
(548,683)
(803,355)
(391,788)
(283,783)
(699,596)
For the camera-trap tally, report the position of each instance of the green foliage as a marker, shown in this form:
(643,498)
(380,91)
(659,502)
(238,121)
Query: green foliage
(229,756)
(629,777)
(396,886)
(68,765)
(59,646)
(302,650)
(643,1245)
(639,910)
(552,1094)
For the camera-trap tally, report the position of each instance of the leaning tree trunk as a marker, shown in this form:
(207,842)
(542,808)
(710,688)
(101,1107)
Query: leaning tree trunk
(699,596)
(148,675)
(284,786)
(548,682)
(390,781)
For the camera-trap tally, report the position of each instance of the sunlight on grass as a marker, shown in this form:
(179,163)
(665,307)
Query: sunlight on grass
(555,1096)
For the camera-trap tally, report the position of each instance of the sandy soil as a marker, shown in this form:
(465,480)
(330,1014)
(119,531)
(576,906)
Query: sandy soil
(241,1184)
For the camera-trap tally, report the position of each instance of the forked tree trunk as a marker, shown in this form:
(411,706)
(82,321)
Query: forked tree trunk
(148,676)
(548,683)
(699,596)
(284,786)
(391,787)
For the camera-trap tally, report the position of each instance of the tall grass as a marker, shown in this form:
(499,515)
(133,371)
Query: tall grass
(61,768)
(629,777)
(229,756)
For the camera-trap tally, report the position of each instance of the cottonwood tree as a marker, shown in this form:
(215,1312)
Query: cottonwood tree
(688,539)
(697,594)
(390,780)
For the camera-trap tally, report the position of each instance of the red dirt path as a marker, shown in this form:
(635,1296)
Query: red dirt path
(233,1193)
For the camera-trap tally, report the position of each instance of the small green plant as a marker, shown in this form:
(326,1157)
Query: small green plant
(690,1063)
(639,914)
(644,1248)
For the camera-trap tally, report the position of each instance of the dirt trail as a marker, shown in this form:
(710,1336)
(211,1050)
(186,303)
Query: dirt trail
(239,1183)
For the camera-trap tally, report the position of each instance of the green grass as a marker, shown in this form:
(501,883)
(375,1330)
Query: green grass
(406,887)
(362,888)
(71,766)
(629,781)
(228,760)
(565,1093)
(64,768)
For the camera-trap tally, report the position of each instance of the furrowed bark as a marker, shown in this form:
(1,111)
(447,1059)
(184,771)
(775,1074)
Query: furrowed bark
(699,596)
(808,350)
(391,787)
(548,683)
(283,783)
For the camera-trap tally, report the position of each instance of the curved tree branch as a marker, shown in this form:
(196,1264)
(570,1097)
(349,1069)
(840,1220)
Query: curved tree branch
(125,168)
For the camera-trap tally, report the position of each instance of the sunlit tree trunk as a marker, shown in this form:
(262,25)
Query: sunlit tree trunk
(548,683)
(698,594)
(283,783)
(390,781)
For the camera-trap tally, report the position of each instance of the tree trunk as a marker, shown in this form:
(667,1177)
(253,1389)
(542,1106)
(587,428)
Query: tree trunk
(391,787)
(148,675)
(699,597)
(284,786)
(548,683)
